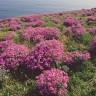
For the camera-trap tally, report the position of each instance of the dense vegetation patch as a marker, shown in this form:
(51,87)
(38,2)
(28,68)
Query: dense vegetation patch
(49,55)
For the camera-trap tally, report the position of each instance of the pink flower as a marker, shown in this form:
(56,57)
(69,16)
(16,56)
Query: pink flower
(89,12)
(40,33)
(52,82)
(14,25)
(70,21)
(74,57)
(4,45)
(13,56)
(34,21)
(92,31)
(75,30)
(45,55)
(29,18)
(91,19)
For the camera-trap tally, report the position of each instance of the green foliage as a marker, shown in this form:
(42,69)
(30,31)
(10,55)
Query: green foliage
(83,83)
(48,22)
(11,87)
(61,27)
(3,34)
(18,39)
(86,38)
(72,45)
(5,29)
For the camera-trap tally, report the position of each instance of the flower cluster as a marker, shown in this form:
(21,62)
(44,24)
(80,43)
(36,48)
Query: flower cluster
(13,56)
(70,21)
(52,82)
(91,19)
(76,30)
(4,45)
(89,12)
(14,25)
(40,33)
(93,46)
(92,31)
(45,55)
(34,21)
(4,23)
(29,18)
(75,57)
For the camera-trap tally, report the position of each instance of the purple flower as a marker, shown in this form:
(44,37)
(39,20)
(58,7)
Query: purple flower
(91,19)
(52,82)
(34,21)
(70,21)
(74,57)
(4,45)
(13,56)
(29,18)
(4,23)
(14,25)
(89,12)
(40,33)
(92,31)
(45,55)
(76,30)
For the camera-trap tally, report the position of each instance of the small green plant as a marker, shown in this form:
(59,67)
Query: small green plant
(11,87)
(3,34)
(18,39)
(61,27)
(5,29)
(83,83)
(86,38)
(48,23)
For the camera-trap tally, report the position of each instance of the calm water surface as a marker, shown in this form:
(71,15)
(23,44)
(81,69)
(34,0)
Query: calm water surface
(10,8)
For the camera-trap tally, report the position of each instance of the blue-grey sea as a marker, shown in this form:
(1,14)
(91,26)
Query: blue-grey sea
(11,8)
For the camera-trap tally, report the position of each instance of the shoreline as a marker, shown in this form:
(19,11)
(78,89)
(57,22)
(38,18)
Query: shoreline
(48,13)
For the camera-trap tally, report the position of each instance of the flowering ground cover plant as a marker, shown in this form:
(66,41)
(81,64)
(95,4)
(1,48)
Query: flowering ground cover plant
(76,57)
(40,33)
(45,55)
(4,45)
(52,82)
(32,21)
(13,56)
(14,24)
(53,54)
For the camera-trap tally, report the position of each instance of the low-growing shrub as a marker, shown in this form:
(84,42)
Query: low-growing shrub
(4,45)
(14,25)
(32,21)
(39,33)
(45,55)
(75,57)
(52,83)
(75,31)
(13,56)
(70,21)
